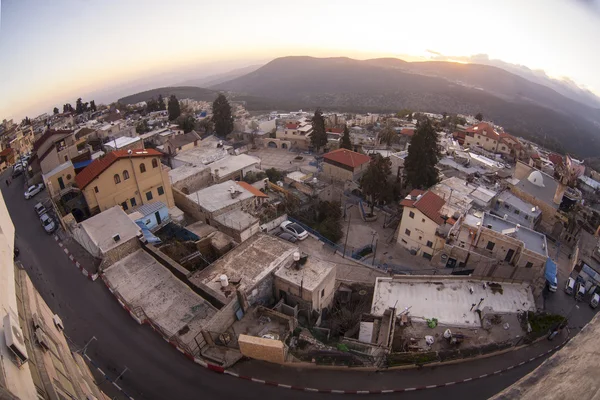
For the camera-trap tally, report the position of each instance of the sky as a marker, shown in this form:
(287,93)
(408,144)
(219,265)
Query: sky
(52,52)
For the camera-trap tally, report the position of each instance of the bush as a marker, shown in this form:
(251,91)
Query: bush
(252,176)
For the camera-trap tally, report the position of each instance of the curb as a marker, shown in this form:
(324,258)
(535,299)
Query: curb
(85,272)
(221,370)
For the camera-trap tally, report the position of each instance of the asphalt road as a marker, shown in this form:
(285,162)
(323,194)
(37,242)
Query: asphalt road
(155,370)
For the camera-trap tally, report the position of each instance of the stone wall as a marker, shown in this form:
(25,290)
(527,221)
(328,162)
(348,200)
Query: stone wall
(119,252)
(187,206)
(195,182)
(262,349)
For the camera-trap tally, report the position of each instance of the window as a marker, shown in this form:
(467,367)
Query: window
(69,177)
(427,256)
(490,245)
(124,205)
(407,232)
(142,168)
(423,220)
(487,139)
(66,158)
(160,191)
(477,143)
(322,293)
(125,175)
(154,163)
(506,206)
(411,214)
(529,264)
(148,195)
(117,178)
(133,202)
(429,243)
(96,189)
(517,212)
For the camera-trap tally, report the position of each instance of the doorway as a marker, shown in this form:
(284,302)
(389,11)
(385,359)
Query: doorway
(158,220)
(509,255)
(61,184)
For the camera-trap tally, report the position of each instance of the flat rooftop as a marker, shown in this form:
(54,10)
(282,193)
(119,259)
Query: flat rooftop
(218,196)
(309,276)
(532,240)
(518,204)
(448,298)
(208,150)
(122,142)
(236,219)
(233,164)
(248,263)
(185,171)
(102,227)
(144,282)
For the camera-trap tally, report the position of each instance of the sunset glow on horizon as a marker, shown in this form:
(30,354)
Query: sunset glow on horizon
(56,51)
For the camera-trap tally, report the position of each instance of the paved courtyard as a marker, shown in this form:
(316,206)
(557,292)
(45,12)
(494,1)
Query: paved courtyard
(283,159)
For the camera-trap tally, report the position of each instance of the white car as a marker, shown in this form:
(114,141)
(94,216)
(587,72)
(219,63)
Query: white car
(33,190)
(39,209)
(294,229)
(48,223)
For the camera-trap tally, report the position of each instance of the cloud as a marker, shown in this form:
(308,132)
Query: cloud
(437,53)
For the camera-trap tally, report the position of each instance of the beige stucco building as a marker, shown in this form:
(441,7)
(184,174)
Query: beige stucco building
(298,133)
(125,178)
(344,165)
(60,178)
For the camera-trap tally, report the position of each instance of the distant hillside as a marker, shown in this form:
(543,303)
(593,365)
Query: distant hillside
(182,92)
(219,78)
(524,108)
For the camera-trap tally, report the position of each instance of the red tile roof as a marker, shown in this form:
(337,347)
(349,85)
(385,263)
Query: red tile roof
(407,131)
(291,125)
(6,152)
(408,202)
(346,157)
(556,159)
(430,204)
(252,189)
(535,156)
(100,165)
(484,129)
(335,130)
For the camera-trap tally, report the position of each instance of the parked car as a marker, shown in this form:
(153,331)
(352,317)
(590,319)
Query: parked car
(570,286)
(40,209)
(17,170)
(33,190)
(595,300)
(48,223)
(293,228)
(287,236)
(579,291)
(552,285)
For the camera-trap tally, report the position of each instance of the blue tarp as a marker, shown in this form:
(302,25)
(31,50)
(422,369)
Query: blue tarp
(82,164)
(147,234)
(550,273)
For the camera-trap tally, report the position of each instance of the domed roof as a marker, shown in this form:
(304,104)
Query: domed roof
(536,178)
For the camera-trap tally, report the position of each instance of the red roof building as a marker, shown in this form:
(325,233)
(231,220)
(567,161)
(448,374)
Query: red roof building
(291,125)
(98,166)
(343,164)
(407,132)
(335,130)
(248,187)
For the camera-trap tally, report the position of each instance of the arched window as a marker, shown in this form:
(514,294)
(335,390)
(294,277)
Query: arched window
(142,168)
(117,178)
(154,163)
(125,175)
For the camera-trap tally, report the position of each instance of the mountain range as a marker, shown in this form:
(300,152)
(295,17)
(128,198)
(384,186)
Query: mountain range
(523,107)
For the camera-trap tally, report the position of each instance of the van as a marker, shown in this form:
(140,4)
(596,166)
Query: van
(595,300)
(570,286)
(579,291)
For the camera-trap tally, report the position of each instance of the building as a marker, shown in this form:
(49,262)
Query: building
(179,143)
(425,223)
(309,283)
(116,129)
(125,178)
(344,165)
(35,358)
(233,168)
(510,146)
(53,148)
(60,178)
(483,135)
(297,133)
(124,143)
(209,150)
(586,262)
(152,215)
(490,246)
(516,210)
(588,184)
(190,178)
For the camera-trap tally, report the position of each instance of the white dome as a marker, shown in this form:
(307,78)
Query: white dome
(536,178)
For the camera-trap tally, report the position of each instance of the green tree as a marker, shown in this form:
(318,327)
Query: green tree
(142,127)
(252,176)
(80,106)
(374,182)
(222,116)
(479,117)
(404,113)
(56,111)
(174,109)
(329,216)
(67,108)
(388,135)
(346,142)
(274,175)
(187,123)
(93,106)
(206,125)
(423,156)
(160,103)
(318,138)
